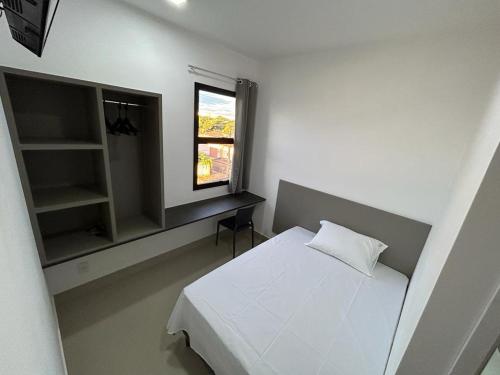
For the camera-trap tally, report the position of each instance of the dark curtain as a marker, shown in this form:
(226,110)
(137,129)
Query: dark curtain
(246,100)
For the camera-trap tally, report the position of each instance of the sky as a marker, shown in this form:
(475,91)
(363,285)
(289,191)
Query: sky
(212,104)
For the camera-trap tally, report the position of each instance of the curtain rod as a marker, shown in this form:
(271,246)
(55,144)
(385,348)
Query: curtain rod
(194,68)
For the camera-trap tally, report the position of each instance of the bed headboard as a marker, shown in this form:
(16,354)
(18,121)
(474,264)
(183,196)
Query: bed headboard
(300,206)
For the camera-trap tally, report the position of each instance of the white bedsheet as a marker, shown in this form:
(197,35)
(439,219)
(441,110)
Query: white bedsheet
(284,308)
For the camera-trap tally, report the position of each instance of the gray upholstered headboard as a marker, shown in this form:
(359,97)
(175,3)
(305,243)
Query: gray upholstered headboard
(300,206)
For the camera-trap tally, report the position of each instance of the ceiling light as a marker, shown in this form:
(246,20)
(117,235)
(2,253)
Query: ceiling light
(178,3)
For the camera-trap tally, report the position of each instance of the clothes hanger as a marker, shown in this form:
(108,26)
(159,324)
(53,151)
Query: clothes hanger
(127,124)
(109,126)
(118,125)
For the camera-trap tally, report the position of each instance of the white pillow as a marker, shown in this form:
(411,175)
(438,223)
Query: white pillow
(357,250)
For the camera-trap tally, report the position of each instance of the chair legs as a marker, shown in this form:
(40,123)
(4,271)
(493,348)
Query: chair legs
(187,339)
(234,244)
(234,237)
(217,236)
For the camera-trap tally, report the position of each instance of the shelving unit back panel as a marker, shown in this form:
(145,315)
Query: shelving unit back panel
(153,162)
(50,111)
(136,160)
(52,169)
(75,231)
(71,219)
(126,161)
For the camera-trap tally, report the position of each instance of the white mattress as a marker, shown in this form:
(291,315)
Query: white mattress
(284,308)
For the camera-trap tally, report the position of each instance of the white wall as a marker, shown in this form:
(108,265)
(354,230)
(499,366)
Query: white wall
(29,336)
(384,124)
(436,256)
(111,42)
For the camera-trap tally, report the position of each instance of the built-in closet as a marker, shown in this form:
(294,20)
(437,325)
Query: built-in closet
(90,161)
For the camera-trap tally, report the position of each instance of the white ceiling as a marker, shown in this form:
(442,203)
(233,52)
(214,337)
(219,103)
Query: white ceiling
(270,28)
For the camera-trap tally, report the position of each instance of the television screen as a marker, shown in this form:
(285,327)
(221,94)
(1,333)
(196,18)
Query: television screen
(28,21)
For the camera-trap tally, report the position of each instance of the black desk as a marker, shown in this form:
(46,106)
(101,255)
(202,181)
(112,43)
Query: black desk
(192,212)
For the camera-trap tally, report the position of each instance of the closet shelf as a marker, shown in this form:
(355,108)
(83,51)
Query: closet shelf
(66,246)
(135,227)
(59,198)
(34,144)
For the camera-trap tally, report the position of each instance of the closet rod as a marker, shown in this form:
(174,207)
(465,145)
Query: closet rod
(123,103)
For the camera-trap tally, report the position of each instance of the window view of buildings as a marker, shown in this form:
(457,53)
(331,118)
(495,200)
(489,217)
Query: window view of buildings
(214,162)
(216,123)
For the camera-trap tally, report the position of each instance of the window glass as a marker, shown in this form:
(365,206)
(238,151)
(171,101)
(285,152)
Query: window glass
(216,115)
(215,110)
(214,162)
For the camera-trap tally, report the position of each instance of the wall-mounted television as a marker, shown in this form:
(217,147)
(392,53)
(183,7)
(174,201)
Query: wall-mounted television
(30,21)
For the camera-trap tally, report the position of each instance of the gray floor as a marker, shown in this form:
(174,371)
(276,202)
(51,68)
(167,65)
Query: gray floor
(116,325)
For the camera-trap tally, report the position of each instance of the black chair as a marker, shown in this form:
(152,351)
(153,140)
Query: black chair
(242,220)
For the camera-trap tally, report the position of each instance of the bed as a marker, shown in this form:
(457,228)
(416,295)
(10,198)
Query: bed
(285,308)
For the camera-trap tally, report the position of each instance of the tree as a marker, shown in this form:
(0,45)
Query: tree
(219,126)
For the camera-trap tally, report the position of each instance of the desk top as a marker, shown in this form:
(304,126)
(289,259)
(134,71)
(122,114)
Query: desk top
(192,212)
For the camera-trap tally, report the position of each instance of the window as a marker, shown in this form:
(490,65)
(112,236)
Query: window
(214,114)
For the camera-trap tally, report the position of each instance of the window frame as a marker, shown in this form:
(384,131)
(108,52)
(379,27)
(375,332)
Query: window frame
(206,140)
